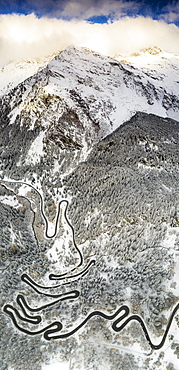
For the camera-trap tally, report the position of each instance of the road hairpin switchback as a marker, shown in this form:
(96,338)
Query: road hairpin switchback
(32,315)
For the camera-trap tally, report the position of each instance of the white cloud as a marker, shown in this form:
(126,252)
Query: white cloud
(171,12)
(26,37)
(81,9)
(86,9)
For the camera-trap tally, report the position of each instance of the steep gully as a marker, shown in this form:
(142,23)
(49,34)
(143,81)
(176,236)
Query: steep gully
(50,330)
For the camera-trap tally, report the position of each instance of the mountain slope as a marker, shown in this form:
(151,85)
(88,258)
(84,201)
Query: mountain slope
(124,209)
(157,64)
(16,72)
(89,217)
(63,110)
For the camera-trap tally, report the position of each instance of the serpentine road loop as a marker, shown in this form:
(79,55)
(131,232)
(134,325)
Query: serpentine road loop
(28,280)
(22,302)
(51,332)
(10,310)
(81,261)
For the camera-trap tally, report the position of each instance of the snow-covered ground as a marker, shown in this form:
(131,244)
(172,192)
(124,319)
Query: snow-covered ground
(158,64)
(101,93)
(163,357)
(110,92)
(16,72)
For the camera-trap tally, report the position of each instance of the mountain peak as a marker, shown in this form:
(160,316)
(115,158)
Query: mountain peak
(152,50)
(18,71)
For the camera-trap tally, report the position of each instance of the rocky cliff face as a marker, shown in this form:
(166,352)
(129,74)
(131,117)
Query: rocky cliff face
(89,217)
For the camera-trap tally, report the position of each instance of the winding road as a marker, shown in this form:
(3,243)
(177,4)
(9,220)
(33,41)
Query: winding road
(52,331)
(46,234)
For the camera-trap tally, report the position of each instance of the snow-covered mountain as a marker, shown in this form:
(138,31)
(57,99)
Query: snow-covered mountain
(159,76)
(89,212)
(79,98)
(158,64)
(15,72)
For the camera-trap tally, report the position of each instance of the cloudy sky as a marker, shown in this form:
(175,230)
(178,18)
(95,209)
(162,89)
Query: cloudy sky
(33,28)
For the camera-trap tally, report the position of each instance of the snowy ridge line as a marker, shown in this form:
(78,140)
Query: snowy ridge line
(64,275)
(57,325)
